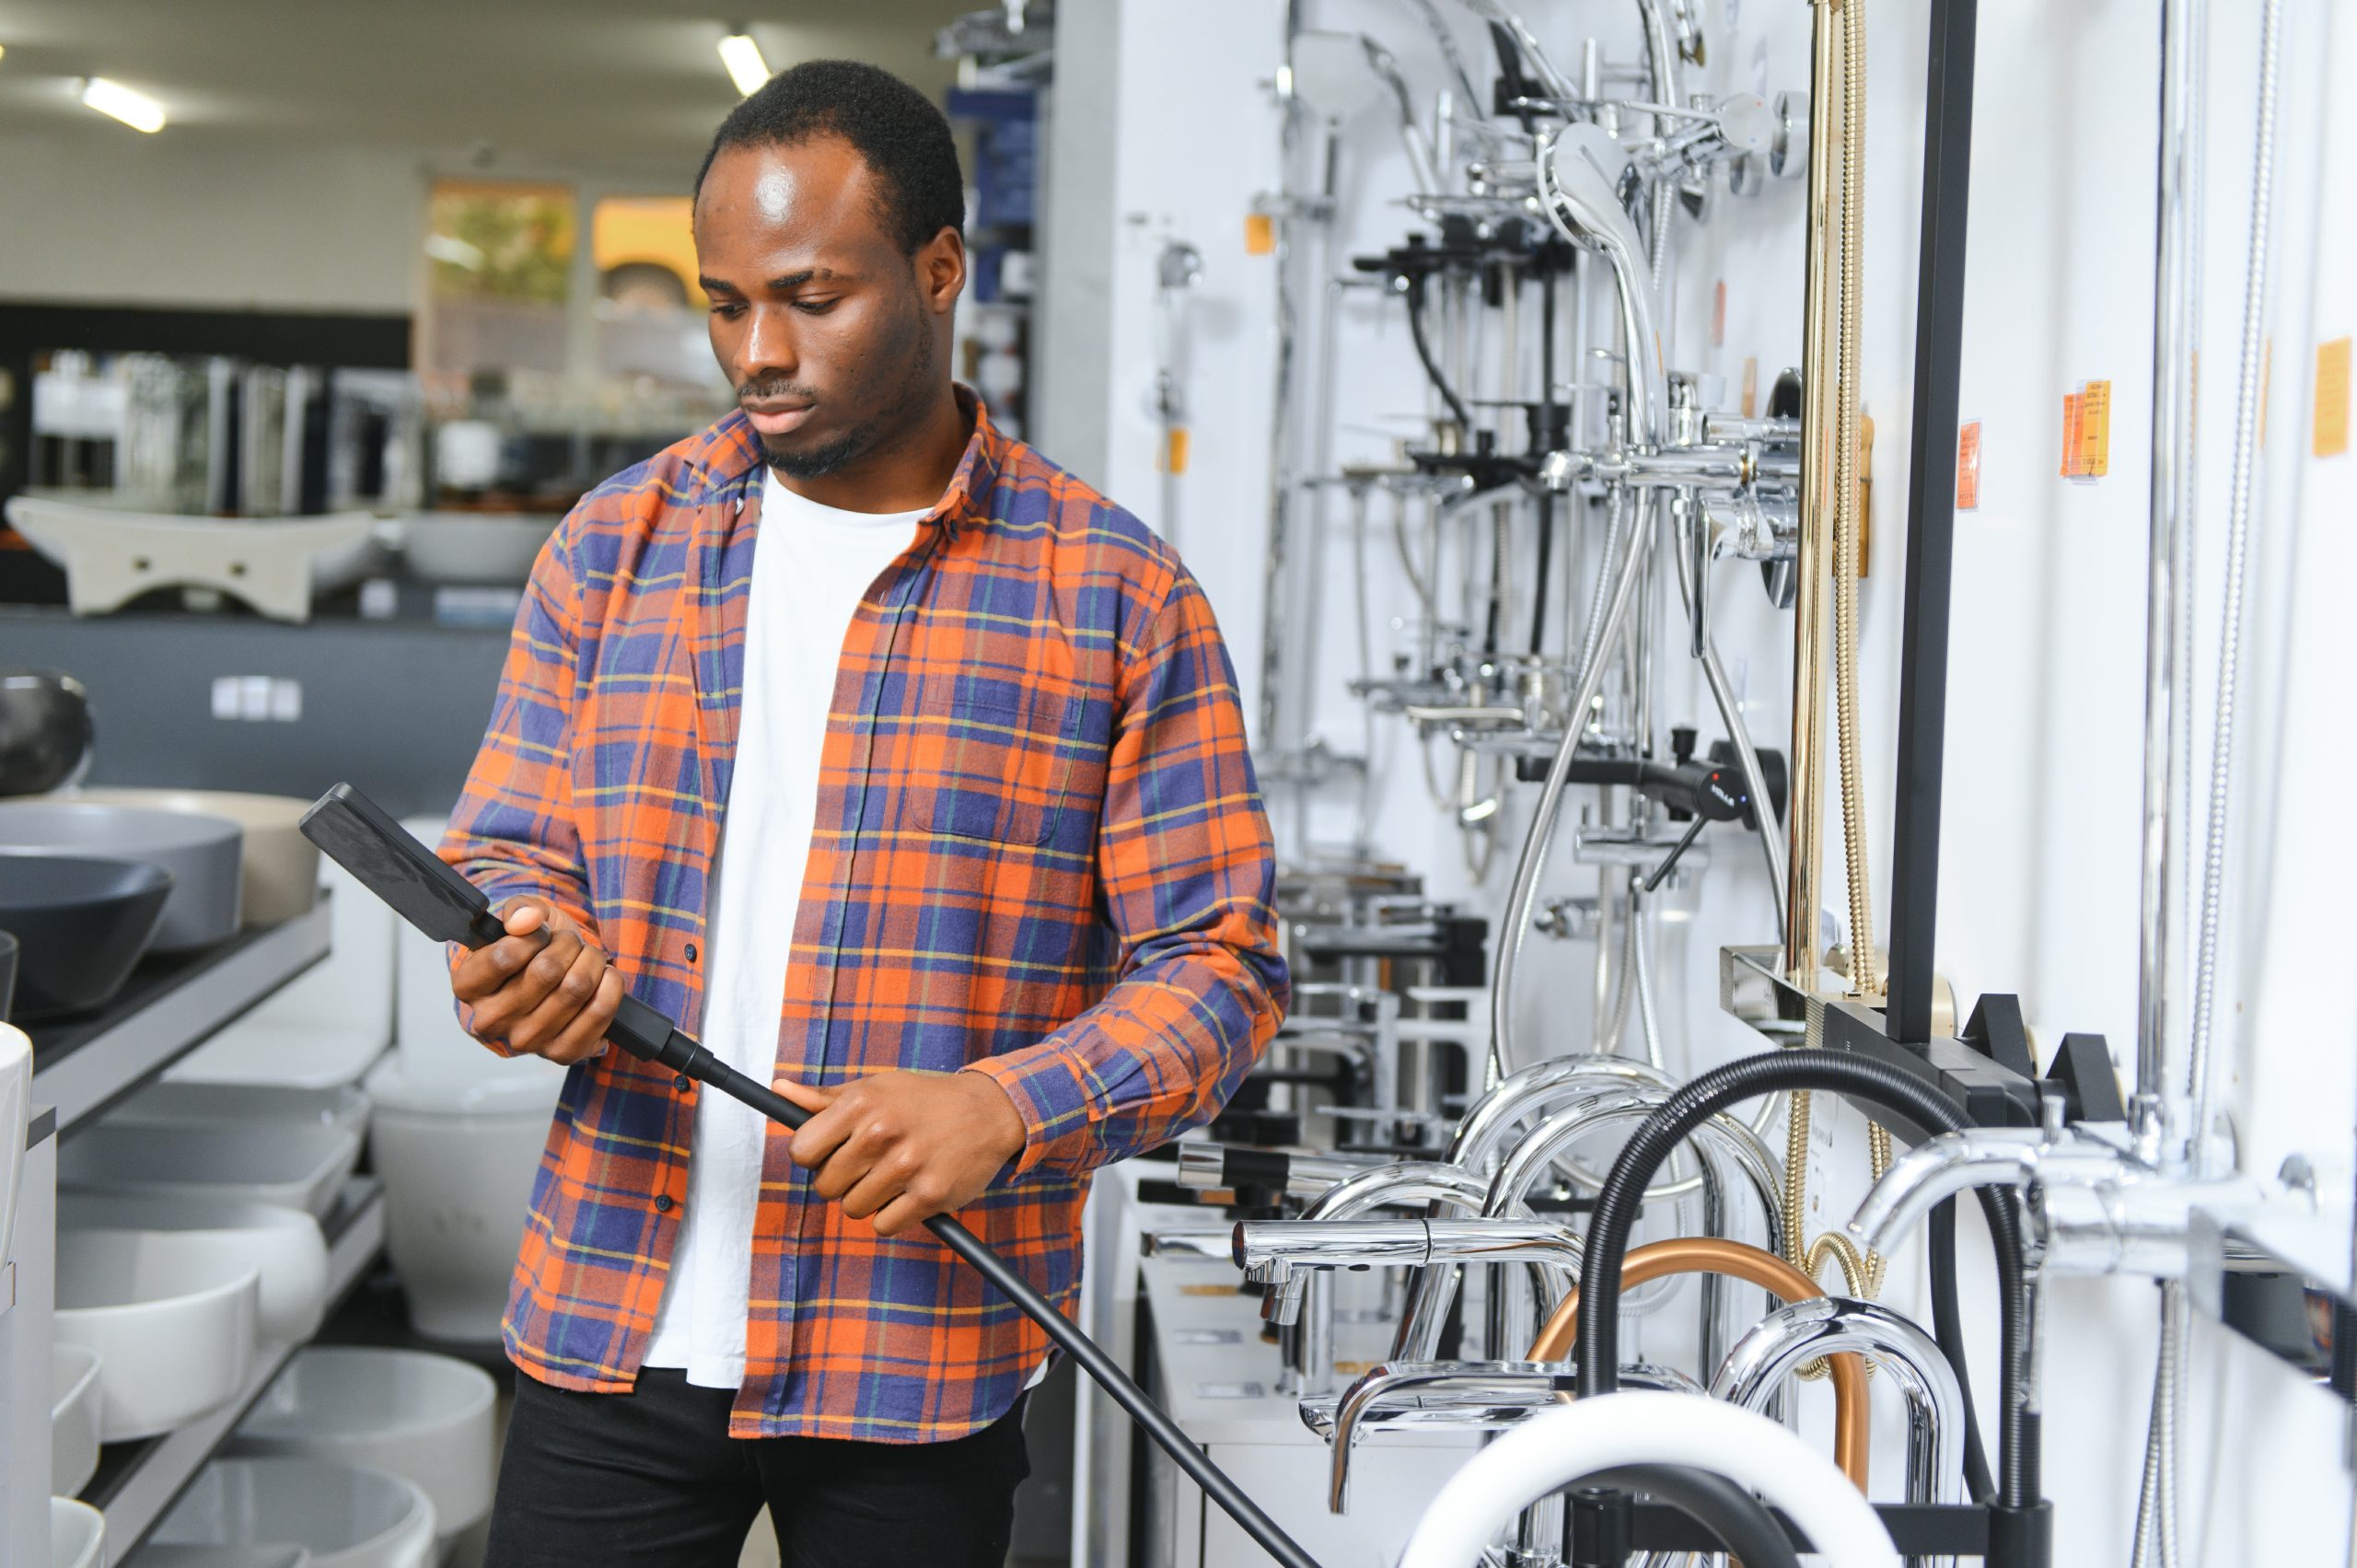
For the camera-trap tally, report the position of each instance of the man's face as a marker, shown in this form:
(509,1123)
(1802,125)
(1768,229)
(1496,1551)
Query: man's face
(828,332)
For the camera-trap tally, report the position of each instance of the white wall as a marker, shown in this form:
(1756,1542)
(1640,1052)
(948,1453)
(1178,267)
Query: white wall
(102,214)
(2039,870)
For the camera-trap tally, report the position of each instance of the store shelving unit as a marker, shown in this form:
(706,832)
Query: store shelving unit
(171,1005)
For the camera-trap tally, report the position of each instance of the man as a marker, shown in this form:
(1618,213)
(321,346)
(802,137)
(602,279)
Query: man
(911,771)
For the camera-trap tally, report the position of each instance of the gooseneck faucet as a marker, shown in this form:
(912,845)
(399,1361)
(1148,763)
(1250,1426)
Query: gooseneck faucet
(1794,1335)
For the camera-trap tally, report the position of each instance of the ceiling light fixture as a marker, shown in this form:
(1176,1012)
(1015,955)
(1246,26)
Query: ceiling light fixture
(743,58)
(132,107)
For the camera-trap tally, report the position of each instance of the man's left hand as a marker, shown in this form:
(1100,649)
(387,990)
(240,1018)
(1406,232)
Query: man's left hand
(905,1146)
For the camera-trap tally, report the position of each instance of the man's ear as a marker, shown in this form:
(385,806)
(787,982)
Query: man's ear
(941,270)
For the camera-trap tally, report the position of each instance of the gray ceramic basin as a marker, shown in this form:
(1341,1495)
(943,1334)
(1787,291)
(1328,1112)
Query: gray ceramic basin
(204,855)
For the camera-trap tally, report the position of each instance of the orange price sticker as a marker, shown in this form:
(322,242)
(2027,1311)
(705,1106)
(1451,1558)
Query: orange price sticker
(1259,234)
(2331,435)
(1719,315)
(2086,431)
(1750,387)
(1967,467)
(2094,430)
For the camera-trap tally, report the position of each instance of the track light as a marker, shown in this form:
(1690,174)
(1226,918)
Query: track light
(743,58)
(134,109)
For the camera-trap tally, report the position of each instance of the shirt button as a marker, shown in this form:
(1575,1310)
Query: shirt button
(681,1083)
(663,1203)
(691,952)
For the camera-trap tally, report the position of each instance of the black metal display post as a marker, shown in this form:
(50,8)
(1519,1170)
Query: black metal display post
(1931,520)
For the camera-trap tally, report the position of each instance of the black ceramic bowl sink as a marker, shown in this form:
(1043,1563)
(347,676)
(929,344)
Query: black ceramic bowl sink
(44,729)
(80,924)
(7,973)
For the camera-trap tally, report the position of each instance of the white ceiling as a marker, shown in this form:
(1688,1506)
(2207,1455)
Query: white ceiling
(621,86)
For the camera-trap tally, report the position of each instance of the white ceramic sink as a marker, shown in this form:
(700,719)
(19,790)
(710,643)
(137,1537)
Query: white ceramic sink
(244,1105)
(173,1329)
(284,1244)
(77,1534)
(422,1417)
(73,1418)
(344,1517)
(291,1165)
(328,1025)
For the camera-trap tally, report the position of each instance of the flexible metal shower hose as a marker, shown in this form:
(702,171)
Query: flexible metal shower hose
(1863,1272)
(2157,1500)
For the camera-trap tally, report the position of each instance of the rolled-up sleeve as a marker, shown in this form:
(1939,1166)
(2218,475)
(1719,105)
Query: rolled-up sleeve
(1188,873)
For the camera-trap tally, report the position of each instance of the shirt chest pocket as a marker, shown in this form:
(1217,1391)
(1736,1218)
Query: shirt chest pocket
(1000,754)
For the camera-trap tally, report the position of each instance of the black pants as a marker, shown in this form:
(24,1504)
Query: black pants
(652,1478)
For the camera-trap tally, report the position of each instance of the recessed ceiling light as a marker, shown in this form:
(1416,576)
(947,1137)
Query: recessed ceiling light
(746,67)
(132,107)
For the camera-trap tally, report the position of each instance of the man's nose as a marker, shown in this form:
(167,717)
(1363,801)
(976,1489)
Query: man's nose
(769,344)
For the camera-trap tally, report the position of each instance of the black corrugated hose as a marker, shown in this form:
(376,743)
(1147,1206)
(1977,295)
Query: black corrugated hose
(2019,1518)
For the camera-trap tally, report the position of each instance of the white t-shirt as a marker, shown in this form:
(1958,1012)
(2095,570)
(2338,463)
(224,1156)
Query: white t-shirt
(811,566)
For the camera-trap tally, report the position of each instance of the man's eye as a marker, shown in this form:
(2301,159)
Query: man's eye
(727,312)
(814,307)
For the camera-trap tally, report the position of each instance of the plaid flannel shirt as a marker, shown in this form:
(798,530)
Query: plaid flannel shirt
(1040,853)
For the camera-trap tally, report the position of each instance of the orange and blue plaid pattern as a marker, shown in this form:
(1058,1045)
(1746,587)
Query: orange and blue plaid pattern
(1040,853)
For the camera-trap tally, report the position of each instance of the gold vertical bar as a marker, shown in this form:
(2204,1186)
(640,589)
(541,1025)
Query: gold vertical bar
(1809,664)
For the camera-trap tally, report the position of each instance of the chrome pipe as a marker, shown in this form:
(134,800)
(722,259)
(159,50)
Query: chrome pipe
(1267,1249)
(1407,1396)
(1715,675)
(1408,1182)
(1791,1336)
(1203,1166)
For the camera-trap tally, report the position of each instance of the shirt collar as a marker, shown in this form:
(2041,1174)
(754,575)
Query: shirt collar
(732,459)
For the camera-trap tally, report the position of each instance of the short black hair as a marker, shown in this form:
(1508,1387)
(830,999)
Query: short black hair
(896,130)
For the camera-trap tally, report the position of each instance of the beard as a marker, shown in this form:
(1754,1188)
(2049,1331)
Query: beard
(912,347)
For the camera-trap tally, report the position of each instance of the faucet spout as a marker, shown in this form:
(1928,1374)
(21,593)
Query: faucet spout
(1937,1169)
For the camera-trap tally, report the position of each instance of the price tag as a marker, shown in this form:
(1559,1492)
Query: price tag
(2086,431)
(1967,467)
(1719,315)
(1750,387)
(1259,234)
(2331,438)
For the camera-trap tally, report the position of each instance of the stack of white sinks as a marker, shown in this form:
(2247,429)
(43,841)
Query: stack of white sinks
(284,1246)
(174,1329)
(189,1245)
(294,1166)
(425,1418)
(343,1516)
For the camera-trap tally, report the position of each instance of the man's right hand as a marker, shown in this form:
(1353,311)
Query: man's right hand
(541,990)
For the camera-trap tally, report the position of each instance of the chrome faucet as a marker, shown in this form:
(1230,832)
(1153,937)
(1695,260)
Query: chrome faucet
(1720,1137)
(2095,1207)
(1791,1336)
(1459,1395)
(1270,1250)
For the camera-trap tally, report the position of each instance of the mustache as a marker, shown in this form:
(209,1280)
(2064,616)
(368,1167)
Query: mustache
(760,390)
